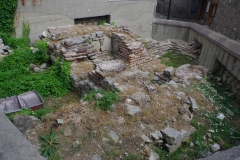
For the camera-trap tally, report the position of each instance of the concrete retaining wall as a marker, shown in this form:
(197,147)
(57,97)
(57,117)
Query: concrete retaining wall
(138,15)
(216,48)
(13,145)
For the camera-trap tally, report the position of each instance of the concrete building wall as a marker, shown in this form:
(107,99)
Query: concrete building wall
(138,14)
(227,19)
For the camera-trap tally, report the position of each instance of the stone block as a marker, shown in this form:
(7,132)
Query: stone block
(171,135)
(107,45)
(96,45)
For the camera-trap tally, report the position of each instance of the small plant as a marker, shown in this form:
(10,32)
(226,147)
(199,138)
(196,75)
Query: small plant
(112,23)
(111,53)
(109,98)
(26,30)
(36,113)
(49,144)
(145,44)
(89,41)
(101,22)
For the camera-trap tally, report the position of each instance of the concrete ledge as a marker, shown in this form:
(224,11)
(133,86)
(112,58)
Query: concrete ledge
(222,41)
(13,145)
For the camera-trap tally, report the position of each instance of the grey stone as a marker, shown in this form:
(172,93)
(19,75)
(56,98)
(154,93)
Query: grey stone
(173,83)
(220,116)
(24,123)
(1,51)
(96,157)
(36,69)
(1,41)
(182,110)
(98,96)
(168,72)
(137,73)
(109,83)
(113,135)
(44,34)
(76,143)
(198,78)
(93,35)
(142,126)
(146,139)
(87,37)
(34,50)
(172,136)
(174,147)
(191,144)
(229,112)
(194,105)
(215,147)
(107,45)
(142,99)
(60,121)
(96,45)
(185,134)
(156,135)
(99,34)
(43,66)
(5,48)
(153,156)
(10,51)
(113,107)
(133,110)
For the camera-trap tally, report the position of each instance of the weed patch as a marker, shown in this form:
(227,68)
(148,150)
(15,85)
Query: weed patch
(49,145)
(175,59)
(105,102)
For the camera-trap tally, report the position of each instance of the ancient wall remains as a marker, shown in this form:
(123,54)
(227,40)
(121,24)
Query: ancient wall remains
(51,13)
(227,19)
(215,47)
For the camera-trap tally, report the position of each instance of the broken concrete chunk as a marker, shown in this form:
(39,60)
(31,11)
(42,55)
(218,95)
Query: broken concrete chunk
(171,135)
(133,110)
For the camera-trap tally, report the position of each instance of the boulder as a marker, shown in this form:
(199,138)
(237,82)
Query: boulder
(171,135)
(24,123)
(168,72)
(141,99)
(133,110)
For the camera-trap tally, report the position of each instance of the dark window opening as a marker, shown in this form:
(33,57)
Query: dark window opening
(93,20)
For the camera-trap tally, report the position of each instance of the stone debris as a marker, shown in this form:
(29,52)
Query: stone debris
(4,50)
(146,139)
(113,135)
(187,72)
(215,147)
(59,121)
(194,105)
(142,99)
(76,143)
(133,110)
(98,96)
(171,135)
(220,116)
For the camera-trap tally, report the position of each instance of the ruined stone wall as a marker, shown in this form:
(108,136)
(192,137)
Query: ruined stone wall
(227,19)
(179,8)
(51,13)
